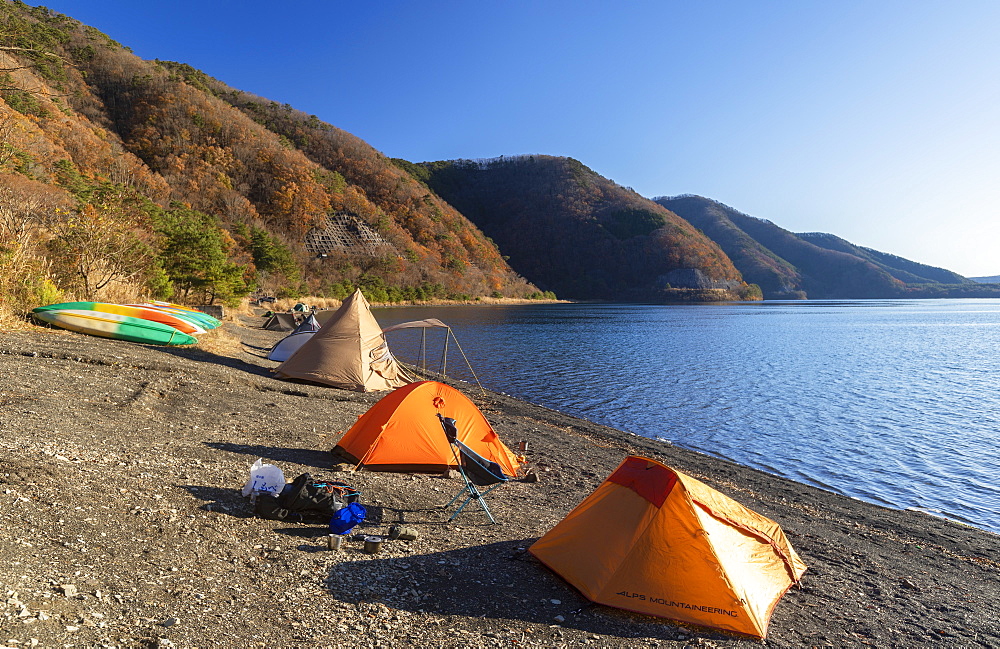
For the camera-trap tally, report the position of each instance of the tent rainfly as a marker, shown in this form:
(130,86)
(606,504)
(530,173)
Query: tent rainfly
(288,345)
(402,432)
(656,541)
(349,351)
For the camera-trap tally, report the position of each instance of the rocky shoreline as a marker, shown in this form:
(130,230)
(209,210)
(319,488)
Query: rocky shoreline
(124,525)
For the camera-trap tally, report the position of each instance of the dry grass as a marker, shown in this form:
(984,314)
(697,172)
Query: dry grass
(220,342)
(9,321)
(232,314)
(286,304)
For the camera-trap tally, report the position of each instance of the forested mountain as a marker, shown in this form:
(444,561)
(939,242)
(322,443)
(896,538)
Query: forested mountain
(121,177)
(815,265)
(572,231)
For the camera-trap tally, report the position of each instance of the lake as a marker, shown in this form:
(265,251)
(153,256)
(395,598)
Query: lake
(895,402)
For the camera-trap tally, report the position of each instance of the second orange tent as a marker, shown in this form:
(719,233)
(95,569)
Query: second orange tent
(402,432)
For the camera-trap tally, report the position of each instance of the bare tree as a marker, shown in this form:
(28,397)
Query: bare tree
(24,205)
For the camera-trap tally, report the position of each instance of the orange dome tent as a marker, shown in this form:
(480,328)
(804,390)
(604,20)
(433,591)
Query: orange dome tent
(401,432)
(656,541)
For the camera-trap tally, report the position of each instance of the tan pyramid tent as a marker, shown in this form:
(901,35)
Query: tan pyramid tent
(402,432)
(656,541)
(349,351)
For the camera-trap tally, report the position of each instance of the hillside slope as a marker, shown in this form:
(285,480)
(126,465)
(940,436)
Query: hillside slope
(572,231)
(304,207)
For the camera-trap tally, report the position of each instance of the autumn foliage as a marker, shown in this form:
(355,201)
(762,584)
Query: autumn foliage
(83,120)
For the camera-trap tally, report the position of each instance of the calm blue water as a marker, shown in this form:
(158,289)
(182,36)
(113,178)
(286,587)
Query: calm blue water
(895,402)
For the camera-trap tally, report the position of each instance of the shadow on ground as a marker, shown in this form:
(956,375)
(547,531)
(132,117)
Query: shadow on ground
(225,501)
(516,587)
(202,356)
(303,456)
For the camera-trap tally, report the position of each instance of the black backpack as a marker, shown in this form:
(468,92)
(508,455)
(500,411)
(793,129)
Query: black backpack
(306,498)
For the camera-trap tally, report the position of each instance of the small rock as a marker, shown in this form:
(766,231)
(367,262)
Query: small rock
(559,618)
(451,474)
(555,601)
(170,621)
(69,590)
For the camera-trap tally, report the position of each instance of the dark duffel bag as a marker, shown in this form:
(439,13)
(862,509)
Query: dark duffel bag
(306,498)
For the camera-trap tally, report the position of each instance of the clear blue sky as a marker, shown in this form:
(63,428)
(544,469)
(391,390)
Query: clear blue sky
(877,121)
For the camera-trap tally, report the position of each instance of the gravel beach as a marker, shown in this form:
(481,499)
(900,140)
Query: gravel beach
(123,524)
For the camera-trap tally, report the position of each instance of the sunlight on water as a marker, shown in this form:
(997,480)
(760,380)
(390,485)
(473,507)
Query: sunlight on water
(894,402)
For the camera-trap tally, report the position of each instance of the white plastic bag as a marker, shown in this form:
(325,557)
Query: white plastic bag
(264,478)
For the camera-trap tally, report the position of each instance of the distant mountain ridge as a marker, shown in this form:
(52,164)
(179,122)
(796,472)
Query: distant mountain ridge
(904,270)
(815,265)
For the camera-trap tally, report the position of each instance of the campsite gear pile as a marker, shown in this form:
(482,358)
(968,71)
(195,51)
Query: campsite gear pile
(306,498)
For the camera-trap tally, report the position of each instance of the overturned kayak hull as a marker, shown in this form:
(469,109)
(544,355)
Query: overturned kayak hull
(145,313)
(112,325)
(179,307)
(202,319)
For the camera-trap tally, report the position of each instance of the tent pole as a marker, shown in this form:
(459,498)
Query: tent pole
(444,357)
(369,451)
(423,349)
(469,364)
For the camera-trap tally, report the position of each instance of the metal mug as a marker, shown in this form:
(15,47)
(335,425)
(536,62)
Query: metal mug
(373,544)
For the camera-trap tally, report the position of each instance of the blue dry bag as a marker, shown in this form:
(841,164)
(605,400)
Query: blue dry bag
(346,518)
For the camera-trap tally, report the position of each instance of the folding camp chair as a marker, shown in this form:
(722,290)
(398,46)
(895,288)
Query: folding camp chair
(476,471)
